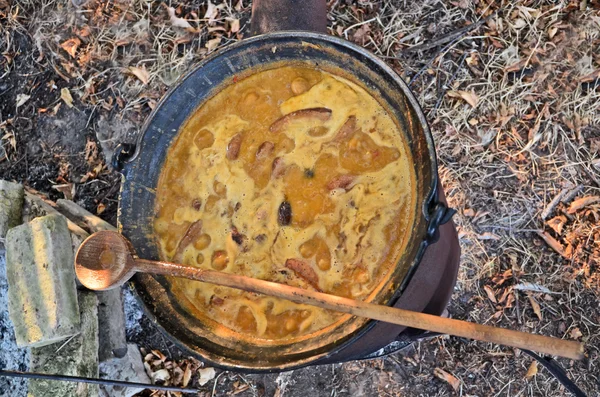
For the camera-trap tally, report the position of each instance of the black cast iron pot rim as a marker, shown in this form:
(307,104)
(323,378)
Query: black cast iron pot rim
(124,158)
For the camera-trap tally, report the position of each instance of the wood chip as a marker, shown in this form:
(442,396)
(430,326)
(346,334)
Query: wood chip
(532,371)
(447,377)
(582,202)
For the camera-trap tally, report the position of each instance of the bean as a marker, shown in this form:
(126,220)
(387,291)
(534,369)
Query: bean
(233,148)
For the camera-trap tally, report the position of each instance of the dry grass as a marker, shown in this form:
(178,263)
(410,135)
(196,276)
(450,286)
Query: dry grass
(533,133)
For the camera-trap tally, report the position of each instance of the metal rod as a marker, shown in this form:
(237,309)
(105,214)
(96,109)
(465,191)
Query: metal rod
(65,378)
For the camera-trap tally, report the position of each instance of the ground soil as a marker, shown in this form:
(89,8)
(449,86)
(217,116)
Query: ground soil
(514,107)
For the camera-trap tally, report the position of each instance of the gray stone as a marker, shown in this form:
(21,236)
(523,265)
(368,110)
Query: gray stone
(41,282)
(111,318)
(77,356)
(12,357)
(129,369)
(11,204)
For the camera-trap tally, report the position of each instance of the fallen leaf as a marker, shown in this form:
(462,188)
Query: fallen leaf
(490,293)
(100,209)
(10,137)
(468,96)
(187,375)
(176,21)
(532,371)
(488,236)
(553,243)
(141,73)
(575,333)
(65,95)
(212,44)
(535,306)
(235,26)
(68,189)
(211,12)
(445,376)
(361,34)
(70,46)
(21,99)
(582,202)
(160,376)
(206,375)
(557,223)
(525,286)
(470,212)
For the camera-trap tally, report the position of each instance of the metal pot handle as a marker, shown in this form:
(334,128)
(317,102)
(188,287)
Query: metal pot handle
(279,15)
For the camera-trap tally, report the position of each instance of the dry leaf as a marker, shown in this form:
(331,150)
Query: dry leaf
(21,99)
(535,306)
(468,96)
(141,73)
(582,202)
(470,212)
(176,21)
(10,137)
(525,286)
(68,189)
(212,44)
(206,375)
(65,95)
(557,223)
(553,243)
(576,333)
(70,46)
(235,26)
(100,209)
(445,376)
(187,375)
(488,236)
(160,376)
(490,293)
(211,12)
(532,371)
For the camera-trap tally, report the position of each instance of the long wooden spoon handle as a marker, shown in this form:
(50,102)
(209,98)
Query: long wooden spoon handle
(427,322)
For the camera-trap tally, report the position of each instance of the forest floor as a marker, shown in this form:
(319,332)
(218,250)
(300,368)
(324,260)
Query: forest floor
(511,90)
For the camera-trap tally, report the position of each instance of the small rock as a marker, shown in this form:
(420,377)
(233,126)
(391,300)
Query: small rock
(41,282)
(11,205)
(129,369)
(77,356)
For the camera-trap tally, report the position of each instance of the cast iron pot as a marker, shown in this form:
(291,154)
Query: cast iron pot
(416,283)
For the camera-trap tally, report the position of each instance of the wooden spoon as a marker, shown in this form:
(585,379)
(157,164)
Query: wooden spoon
(106,260)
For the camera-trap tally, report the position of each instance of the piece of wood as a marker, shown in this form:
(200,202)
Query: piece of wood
(35,204)
(82,216)
(96,272)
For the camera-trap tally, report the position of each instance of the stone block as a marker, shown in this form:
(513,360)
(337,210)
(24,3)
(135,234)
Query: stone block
(77,356)
(41,282)
(129,369)
(11,205)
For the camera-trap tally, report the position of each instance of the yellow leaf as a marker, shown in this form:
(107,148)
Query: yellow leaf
(445,376)
(65,95)
(468,96)
(532,371)
(141,73)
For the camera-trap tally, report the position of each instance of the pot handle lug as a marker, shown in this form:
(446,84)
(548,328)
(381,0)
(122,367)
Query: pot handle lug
(122,154)
(280,15)
(439,215)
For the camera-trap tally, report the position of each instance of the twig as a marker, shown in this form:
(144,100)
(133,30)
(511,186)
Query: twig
(449,83)
(565,195)
(553,243)
(457,34)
